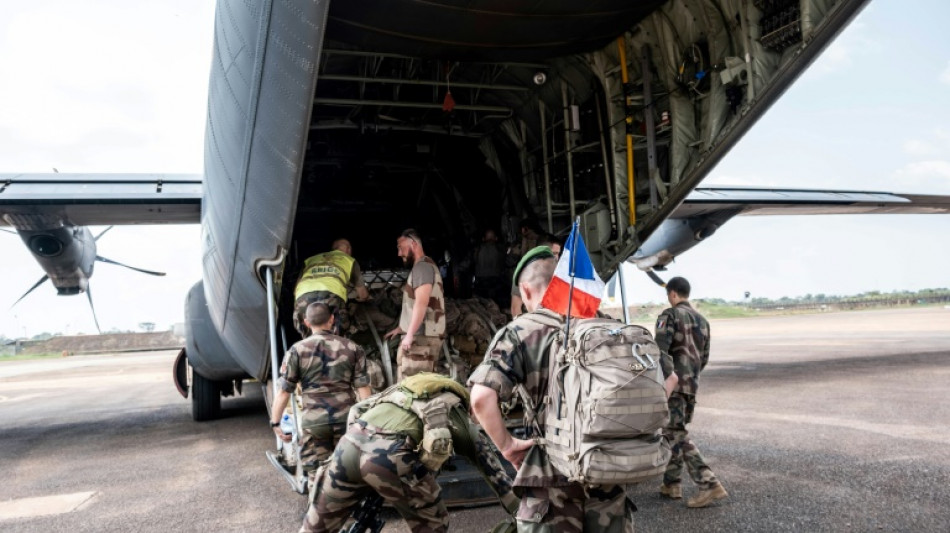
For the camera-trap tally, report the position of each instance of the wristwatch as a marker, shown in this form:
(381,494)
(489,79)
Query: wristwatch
(274,424)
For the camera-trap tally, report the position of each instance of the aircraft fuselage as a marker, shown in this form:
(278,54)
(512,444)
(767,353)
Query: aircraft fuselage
(473,119)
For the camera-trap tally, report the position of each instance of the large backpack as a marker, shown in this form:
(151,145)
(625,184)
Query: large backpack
(606,404)
(431,397)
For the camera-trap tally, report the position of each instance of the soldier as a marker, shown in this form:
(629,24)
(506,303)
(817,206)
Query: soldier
(385,450)
(528,238)
(489,259)
(683,337)
(516,304)
(518,357)
(326,278)
(422,320)
(328,368)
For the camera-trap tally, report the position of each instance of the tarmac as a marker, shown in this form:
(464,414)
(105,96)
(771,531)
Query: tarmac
(824,422)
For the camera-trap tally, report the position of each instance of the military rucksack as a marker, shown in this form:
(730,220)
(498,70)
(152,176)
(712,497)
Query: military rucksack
(606,404)
(431,397)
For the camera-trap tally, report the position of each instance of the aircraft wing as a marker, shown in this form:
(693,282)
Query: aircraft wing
(706,201)
(706,209)
(102,199)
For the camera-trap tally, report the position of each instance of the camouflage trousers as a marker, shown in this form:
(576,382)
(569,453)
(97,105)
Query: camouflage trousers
(370,459)
(494,473)
(317,444)
(684,449)
(604,509)
(422,356)
(334,302)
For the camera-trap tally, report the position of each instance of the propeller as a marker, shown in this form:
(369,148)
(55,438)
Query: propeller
(93,307)
(656,279)
(101,233)
(38,283)
(111,262)
(88,289)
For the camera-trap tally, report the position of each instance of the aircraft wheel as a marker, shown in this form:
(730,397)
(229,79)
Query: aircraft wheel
(205,398)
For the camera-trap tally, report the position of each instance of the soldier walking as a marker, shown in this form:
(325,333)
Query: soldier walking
(328,368)
(519,358)
(683,337)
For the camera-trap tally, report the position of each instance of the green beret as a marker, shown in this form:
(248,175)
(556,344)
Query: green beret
(538,252)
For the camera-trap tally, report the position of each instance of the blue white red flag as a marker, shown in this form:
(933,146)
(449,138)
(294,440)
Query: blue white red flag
(576,285)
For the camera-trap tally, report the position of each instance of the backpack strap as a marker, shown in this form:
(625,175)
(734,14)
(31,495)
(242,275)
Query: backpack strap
(365,405)
(533,412)
(542,318)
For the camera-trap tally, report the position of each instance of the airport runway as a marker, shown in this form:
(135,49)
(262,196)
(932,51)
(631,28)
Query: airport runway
(833,422)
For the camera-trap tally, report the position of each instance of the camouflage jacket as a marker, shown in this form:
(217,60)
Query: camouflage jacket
(683,336)
(519,354)
(327,368)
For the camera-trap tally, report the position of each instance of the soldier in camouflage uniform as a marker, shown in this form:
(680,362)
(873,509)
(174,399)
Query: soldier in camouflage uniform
(328,368)
(554,244)
(683,337)
(519,355)
(326,278)
(380,453)
(423,310)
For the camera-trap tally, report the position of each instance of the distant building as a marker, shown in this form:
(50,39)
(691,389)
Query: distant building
(8,347)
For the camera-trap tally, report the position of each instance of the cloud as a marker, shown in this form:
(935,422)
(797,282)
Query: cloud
(919,148)
(841,53)
(835,58)
(937,146)
(931,176)
(935,168)
(96,93)
(735,180)
(945,75)
(928,171)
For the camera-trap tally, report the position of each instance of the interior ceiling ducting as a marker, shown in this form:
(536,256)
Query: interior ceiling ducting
(610,110)
(484,30)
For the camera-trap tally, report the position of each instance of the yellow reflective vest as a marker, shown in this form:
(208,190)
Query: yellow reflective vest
(328,271)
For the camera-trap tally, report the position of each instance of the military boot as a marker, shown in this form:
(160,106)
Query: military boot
(708,496)
(673,492)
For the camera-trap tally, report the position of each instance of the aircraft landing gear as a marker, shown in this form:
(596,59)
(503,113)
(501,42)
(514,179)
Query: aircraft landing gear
(205,398)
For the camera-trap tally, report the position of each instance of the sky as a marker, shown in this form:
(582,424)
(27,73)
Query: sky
(121,86)
(104,86)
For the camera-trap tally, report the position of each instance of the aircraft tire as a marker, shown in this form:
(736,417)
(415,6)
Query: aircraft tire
(205,398)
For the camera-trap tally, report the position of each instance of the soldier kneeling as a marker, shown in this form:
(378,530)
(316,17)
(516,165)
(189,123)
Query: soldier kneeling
(395,444)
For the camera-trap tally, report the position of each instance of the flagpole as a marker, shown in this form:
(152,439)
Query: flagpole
(573,271)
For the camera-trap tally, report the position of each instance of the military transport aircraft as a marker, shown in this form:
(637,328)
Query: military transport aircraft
(363,118)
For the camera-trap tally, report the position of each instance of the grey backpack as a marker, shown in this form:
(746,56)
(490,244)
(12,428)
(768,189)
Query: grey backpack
(606,405)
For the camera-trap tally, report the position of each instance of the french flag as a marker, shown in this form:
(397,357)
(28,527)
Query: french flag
(576,287)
